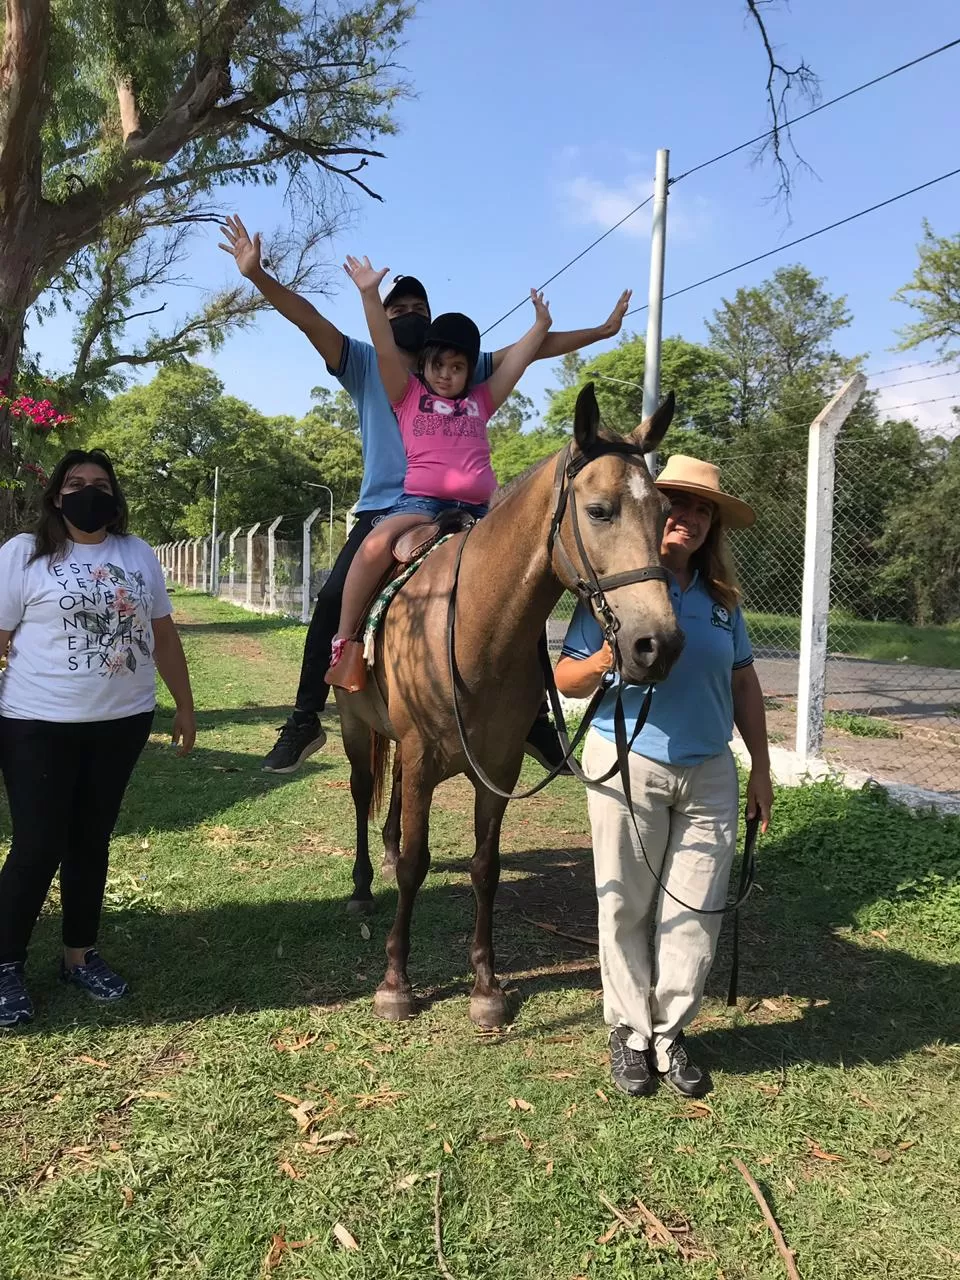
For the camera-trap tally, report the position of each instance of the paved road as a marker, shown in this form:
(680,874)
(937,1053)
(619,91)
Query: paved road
(856,684)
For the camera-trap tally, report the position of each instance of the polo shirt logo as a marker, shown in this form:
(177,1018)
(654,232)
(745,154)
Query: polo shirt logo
(720,617)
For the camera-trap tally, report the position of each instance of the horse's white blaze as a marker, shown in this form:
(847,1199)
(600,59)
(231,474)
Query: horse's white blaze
(636,484)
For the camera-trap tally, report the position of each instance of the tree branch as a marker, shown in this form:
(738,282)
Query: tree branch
(23,67)
(781,83)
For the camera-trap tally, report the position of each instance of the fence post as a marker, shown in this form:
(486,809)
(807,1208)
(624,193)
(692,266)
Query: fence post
(351,519)
(817,554)
(272,565)
(206,565)
(231,553)
(215,579)
(196,561)
(307,564)
(250,532)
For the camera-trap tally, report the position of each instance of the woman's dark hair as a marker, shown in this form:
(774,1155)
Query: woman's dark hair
(434,349)
(51,531)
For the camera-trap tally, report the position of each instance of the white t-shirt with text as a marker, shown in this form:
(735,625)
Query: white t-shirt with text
(82,646)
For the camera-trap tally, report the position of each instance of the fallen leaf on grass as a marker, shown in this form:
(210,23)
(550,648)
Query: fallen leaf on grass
(905,1146)
(344,1237)
(524,1140)
(447,1149)
(695,1111)
(865,1101)
(296,1046)
(365,932)
(520,1104)
(91,1062)
(879,933)
(602,1096)
(570,1111)
(408,1181)
(279,1245)
(771,1005)
(769,1090)
(494,1137)
(127,1193)
(114,1146)
(882,1155)
(610,1232)
(818,1152)
(383,1097)
(549,1169)
(323,1144)
(686,1151)
(289,1171)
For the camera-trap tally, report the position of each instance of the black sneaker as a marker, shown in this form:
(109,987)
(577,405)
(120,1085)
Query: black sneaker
(685,1076)
(295,744)
(543,744)
(16,1007)
(96,978)
(630,1068)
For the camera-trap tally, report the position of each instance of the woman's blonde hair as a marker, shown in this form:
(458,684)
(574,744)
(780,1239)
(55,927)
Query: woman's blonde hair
(715,565)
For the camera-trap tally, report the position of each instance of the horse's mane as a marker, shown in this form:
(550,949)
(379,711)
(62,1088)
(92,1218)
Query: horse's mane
(508,488)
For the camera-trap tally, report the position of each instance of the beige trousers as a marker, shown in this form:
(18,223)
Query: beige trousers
(688,819)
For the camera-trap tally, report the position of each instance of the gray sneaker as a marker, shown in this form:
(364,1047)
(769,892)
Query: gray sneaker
(630,1067)
(16,1007)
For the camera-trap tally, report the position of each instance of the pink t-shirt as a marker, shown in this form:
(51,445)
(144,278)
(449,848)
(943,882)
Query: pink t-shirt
(448,453)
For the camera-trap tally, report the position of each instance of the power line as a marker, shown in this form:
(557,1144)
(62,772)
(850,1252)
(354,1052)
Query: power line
(582,253)
(898,368)
(831,102)
(742,146)
(811,235)
(909,382)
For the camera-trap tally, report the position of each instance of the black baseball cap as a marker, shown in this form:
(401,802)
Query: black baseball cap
(406,287)
(457,332)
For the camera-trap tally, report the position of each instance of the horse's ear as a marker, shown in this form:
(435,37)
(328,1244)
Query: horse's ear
(652,430)
(586,418)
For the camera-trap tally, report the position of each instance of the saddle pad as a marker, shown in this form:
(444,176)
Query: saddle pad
(382,603)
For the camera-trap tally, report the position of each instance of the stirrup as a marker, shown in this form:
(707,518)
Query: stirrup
(349,672)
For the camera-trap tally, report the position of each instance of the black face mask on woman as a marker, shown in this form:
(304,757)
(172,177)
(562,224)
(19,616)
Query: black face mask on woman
(410,331)
(89,509)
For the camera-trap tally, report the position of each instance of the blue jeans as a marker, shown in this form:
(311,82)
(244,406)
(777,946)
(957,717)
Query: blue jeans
(413,504)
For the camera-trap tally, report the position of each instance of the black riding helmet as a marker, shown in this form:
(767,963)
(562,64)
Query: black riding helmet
(454,331)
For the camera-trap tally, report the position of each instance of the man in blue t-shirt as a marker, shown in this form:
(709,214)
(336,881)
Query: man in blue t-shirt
(354,365)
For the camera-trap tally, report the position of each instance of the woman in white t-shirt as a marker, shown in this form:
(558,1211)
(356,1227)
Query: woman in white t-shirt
(85,622)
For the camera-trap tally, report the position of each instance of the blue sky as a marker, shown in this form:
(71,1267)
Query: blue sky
(534,127)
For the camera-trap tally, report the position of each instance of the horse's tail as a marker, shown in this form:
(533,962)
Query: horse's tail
(379,764)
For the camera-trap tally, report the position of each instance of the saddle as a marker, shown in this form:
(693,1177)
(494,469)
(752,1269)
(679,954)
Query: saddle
(408,548)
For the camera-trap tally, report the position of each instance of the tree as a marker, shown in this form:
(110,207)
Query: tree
(520,450)
(168,436)
(510,419)
(105,103)
(692,372)
(934,291)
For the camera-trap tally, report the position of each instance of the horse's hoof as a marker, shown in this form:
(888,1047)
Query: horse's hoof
(389,870)
(489,1011)
(393,1005)
(361,907)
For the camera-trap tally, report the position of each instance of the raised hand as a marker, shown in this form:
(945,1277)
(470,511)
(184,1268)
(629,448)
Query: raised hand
(544,318)
(366,278)
(244,251)
(612,325)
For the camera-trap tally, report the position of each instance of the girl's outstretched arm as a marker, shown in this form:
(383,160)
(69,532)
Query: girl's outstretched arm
(393,370)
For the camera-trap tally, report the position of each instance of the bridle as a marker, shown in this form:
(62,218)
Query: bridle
(591,590)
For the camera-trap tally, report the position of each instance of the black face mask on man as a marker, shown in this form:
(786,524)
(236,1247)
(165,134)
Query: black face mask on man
(410,331)
(89,509)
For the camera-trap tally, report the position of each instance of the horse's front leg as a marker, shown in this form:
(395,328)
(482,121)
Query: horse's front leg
(488,1004)
(394,997)
(391,828)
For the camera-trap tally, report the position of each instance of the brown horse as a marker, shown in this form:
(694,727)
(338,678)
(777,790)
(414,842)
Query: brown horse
(512,573)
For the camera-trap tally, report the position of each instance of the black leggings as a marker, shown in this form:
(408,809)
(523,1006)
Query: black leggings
(65,783)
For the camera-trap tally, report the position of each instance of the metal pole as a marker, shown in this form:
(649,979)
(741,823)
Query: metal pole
(272,564)
(249,593)
(658,245)
(817,552)
(214,544)
(307,566)
(310,485)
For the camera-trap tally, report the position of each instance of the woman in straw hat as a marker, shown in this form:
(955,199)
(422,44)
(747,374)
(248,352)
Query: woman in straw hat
(684,786)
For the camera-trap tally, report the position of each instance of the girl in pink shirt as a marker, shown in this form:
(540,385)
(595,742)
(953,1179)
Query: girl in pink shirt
(443,423)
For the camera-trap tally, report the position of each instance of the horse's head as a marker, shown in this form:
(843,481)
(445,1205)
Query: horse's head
(621,514)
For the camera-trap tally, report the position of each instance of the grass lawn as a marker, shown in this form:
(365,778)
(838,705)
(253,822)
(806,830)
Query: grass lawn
(880,641)
(245,1090)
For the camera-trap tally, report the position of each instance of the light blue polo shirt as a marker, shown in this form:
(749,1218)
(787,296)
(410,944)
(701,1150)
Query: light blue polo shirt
(691,712)
(384,461)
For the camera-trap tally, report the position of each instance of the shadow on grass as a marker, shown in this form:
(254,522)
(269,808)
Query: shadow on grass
(849,1003)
